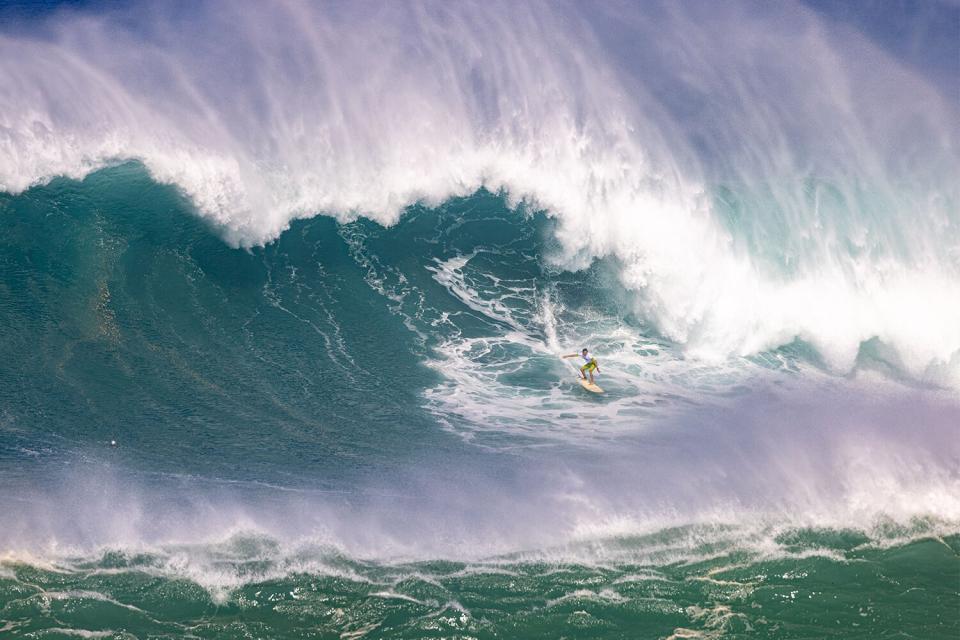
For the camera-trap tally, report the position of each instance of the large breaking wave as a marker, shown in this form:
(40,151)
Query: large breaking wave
(283,289)
(759,174)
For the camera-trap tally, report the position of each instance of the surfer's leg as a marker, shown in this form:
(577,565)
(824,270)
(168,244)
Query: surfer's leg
(589,367)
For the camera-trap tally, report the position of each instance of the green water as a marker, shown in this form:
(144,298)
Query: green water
(834,585)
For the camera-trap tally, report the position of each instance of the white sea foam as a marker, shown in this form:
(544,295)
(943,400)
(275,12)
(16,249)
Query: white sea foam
(837,221)
(79,633)
(400,596)
(513,379)
(604,595)
(273,552)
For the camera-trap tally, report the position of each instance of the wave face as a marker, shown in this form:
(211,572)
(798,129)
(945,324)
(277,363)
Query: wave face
(283,289)
(382,409)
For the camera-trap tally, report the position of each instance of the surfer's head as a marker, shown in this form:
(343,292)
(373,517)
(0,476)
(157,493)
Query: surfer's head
(584,352)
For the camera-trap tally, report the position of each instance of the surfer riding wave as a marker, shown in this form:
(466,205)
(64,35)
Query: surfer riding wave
(590,363)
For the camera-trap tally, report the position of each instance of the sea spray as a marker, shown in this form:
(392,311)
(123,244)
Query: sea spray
(754,176)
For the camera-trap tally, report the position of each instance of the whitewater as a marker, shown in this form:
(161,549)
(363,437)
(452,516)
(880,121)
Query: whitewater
(284,287)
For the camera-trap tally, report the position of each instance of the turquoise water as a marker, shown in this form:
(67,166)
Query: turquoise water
(287,461)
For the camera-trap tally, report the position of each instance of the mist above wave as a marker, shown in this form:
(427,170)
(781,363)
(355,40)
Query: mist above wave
(844,460)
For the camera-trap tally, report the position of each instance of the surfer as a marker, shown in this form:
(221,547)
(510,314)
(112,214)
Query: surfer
(590,365)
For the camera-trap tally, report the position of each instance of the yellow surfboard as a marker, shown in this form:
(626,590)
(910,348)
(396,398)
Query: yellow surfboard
(586,384)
